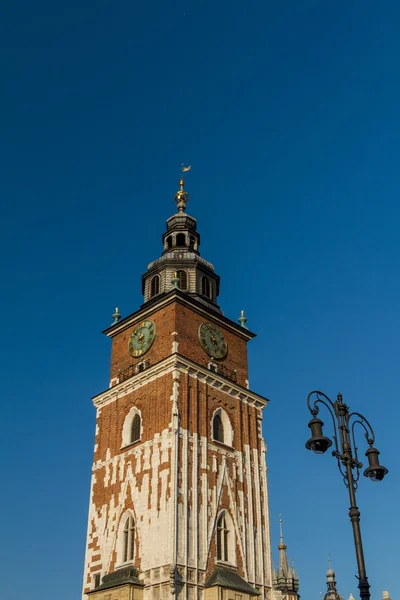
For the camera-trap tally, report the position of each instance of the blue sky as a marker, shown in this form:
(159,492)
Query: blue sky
(289,114)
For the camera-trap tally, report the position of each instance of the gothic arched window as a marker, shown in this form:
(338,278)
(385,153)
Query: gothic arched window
(221,427)
(135,430)
(181,239)
(155,285)
(205,287)
(182,283)
(129,540)
(132,427)
(222,538)
(218,429)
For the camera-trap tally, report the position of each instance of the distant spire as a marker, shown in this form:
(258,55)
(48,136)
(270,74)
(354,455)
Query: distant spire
(283,561)
(332,593)
(182,197)
(285,578)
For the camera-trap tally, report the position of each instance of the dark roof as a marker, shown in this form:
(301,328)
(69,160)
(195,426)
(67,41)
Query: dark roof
(230,578)
(119,577)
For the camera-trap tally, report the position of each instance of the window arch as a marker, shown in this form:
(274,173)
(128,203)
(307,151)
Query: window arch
(169,242)
(155,285)
(128,542)
(222,538)
(191,242)
(183,280)
(225,538)
(181,239)
(221,427)
(132,428)
(205,286)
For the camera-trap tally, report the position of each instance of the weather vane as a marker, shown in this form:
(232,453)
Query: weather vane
(181,197)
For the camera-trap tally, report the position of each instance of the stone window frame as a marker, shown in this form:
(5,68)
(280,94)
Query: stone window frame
(126,540)
(226,425)
(206,287)
(127,427)
(225,544)
(186,288)
(155,285)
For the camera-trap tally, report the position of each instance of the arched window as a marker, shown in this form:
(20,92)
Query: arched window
(218,429)
(181,239)
(155,285)
(135,431)
(182,276)
(129,540)
(221,427)
(205,287)
(132,427)
(169,242)
(191,242)
(222,538)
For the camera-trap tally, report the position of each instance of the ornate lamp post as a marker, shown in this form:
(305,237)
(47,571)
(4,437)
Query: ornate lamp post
(348,463)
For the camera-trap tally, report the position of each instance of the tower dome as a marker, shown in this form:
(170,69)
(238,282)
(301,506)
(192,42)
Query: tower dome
(332,593)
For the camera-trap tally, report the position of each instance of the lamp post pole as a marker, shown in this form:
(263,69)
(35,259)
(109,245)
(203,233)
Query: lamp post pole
(347,459)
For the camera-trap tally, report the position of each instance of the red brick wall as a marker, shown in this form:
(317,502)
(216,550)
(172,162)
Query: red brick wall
(153,401)
(185,321)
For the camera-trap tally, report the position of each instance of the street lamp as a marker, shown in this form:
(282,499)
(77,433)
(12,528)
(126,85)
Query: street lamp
(347,458)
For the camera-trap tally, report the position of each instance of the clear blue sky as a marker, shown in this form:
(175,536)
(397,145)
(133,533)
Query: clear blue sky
(289,114)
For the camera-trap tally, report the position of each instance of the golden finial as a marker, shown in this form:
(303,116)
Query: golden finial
(181,197)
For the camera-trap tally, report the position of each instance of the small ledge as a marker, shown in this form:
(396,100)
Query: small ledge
(223,445)
(130,445)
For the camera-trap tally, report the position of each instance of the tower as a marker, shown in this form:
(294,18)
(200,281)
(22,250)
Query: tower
(332,593)
(178,502)
(285,580)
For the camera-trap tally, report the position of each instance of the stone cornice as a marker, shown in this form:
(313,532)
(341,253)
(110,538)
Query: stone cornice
(184,365)
(177,296)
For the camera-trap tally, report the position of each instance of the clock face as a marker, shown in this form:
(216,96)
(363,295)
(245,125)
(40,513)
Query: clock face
(212,340)
(142,338)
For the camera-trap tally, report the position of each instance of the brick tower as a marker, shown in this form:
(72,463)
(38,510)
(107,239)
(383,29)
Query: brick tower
(178,501)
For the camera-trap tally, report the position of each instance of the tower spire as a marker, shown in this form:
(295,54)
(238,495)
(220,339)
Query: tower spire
(283,561)
(285,578)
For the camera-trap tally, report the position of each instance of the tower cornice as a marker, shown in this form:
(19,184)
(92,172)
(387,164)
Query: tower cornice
(177,362)
(182,298)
